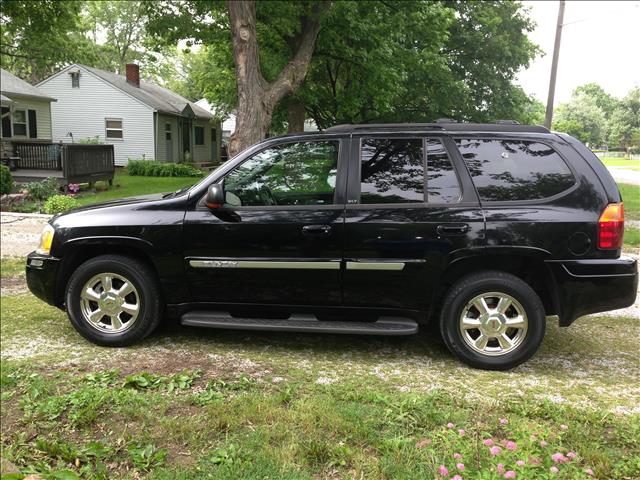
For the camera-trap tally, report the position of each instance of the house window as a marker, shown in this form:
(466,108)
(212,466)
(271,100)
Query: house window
(167,131)
(75,79)
(199,135)
(20,123)
(113,128)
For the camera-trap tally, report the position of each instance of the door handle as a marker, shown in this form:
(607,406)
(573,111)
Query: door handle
(452,229)
(316,229)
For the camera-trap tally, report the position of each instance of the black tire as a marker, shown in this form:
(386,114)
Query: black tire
(140,275)
(464,291)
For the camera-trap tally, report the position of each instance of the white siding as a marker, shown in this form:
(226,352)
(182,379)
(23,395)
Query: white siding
(82,111)
(229,126)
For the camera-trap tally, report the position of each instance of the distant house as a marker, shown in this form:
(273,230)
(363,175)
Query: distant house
(229,123)
(140,119)
(26,112)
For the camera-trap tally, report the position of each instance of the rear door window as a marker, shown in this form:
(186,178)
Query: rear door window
(514,170)
(392,170)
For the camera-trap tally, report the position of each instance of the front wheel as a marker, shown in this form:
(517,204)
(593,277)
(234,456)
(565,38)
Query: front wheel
(492,320)
(113,300)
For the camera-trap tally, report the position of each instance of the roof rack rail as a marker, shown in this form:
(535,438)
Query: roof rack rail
(499,126)
(446,120)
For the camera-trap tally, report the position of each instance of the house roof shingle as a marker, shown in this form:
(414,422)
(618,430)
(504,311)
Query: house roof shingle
(12,85)
(155,96)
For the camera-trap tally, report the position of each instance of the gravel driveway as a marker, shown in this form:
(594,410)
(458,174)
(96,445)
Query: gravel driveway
(20,233)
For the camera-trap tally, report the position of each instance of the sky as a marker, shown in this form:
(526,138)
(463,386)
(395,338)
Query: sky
(600,43)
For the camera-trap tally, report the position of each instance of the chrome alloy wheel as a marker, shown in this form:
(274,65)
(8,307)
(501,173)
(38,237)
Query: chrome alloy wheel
(110,303)
(493,323)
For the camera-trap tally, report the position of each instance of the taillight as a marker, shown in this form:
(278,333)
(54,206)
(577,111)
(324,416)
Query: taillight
(611,227)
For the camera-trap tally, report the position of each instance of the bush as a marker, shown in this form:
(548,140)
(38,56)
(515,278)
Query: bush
(149,168)
(60,203)
(6,181)
(40,191)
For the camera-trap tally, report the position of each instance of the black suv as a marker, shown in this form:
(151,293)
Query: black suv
(366,229)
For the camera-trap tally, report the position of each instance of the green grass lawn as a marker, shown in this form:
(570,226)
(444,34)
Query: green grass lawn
(193,404)
(631,198)
(125,185)
(622,162)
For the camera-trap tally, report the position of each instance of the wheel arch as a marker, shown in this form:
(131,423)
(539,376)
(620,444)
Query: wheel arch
(78,251)
(526,264)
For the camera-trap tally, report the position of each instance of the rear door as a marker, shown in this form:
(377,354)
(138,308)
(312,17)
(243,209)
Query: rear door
(411,207)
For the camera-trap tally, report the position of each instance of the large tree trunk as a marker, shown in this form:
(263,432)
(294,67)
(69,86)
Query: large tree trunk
(257,98)
(295,116)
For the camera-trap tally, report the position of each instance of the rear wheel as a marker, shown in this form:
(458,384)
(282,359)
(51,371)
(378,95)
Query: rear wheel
(492,320)
(113,300)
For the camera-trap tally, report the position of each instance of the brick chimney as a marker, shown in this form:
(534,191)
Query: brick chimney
(133,74)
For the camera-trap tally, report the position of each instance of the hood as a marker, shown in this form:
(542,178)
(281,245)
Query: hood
(124,211)
(119,201)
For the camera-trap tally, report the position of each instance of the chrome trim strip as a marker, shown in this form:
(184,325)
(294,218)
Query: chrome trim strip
(293,265)
(388,266)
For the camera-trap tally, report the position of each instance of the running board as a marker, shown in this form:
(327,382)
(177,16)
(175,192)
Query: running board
(300,323)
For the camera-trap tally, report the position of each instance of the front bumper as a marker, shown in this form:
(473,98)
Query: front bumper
(592,286)
(42,271)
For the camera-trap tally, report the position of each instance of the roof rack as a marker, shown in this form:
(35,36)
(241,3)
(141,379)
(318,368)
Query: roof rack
(499,126)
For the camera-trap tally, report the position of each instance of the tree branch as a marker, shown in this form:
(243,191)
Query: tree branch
(293,74)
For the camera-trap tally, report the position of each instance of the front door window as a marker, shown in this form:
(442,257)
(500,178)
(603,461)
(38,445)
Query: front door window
(301,173)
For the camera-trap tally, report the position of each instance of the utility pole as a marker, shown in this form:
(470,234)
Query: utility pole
(554,67)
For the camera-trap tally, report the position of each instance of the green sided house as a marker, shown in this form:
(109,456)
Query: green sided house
(26,113)
(140,119)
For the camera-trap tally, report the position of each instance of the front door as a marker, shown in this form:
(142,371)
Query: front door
(410,207)
(168,138)
(186,141)
(279,237)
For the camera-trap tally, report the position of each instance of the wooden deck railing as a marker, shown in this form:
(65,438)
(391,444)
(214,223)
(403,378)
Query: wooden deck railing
(77,161)
(38,156)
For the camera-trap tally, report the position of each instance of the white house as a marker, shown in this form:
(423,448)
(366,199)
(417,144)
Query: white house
(26,113)
(140,119)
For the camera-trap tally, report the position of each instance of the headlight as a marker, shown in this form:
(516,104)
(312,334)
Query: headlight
(46,238)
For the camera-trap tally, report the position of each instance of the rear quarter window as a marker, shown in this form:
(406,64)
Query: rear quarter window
(514,170)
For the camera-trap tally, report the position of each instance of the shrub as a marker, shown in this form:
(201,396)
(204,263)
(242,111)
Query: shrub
(149,168)
(60,203)
(40,191)
(90,140)
(6,181)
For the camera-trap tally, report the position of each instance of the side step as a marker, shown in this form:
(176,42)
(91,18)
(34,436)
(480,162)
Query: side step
(300,323)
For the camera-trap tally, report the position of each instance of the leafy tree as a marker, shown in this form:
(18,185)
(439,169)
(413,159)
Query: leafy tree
(122,24)
(38,38)
(624,129)
(260,85)
(581,118)
(375,61)
(606,102)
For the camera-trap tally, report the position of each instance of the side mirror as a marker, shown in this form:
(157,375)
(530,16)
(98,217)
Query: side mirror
(215,196)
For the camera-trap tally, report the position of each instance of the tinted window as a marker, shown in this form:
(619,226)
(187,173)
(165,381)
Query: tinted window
(442,181)
(392,170)
(514,169)
(291,174)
